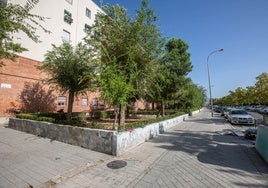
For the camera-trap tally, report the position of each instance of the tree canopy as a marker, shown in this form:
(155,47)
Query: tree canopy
(251,95)
(127,49)
(71,68)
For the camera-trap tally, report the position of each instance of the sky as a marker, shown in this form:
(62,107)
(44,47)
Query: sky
(240,27)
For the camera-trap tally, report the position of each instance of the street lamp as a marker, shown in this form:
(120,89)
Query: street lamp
(209,84)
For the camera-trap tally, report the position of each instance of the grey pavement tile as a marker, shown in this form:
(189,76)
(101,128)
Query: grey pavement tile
(188,155)
(5,183)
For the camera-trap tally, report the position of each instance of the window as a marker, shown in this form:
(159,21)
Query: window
(69,1)
(87,27)
(102,102)
(84,102)
(94,102)
(88,13)
(61,101)
(68,17)
(66,36)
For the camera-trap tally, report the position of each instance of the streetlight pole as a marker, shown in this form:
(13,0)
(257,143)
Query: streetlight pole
(209,83)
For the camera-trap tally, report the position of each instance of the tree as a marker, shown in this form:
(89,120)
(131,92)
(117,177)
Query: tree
(257,94)
(261,87)
(195,97)
(127,48)
(70,68)
(35,98)
(176,66)
(15,18)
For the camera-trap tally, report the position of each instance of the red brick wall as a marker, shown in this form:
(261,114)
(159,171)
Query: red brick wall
(15,74)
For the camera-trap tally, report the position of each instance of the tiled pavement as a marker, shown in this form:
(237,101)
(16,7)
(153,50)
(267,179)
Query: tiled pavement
(189,155)
(26,159)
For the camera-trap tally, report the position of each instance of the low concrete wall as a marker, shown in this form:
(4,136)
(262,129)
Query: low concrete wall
(262,142)
(4,120)
(94,139)
(110,142)
(130,139)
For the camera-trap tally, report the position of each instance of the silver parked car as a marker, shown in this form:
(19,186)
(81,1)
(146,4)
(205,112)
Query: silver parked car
(237,116)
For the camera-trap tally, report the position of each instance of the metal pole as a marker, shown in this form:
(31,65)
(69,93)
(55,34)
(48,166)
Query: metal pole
(209,83)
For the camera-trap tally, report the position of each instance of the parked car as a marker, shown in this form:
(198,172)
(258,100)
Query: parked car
(218,109)
(264,110)
(227,111)
(238,116)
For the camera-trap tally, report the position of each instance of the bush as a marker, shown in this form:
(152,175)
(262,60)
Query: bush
(35,117)
(95,125)
(145,112)
(73,122)
(150,121)
(99,114)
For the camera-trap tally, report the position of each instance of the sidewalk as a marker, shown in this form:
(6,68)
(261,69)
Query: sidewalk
(189,155)
(26,159)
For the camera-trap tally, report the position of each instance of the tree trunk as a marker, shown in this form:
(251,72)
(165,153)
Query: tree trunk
(122,116)
(116,112)
(128,112)
(162,108)
(70,105)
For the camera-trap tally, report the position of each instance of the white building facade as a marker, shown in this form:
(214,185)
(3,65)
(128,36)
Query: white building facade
(66,20)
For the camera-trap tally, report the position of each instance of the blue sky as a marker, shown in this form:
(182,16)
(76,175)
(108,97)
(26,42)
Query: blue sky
(240,27)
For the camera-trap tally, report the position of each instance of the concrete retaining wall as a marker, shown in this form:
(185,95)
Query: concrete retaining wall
(110,142)
(94,139)
(130,139)
(262,142)
(4,120)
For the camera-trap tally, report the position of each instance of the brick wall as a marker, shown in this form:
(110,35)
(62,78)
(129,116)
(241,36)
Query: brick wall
(13,77)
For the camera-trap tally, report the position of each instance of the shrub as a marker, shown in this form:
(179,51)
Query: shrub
(35,117)
(99,114)
(73,122)
(96,125)
(150,121)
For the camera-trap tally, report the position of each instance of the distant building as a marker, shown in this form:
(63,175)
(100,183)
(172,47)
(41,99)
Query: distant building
(67,21)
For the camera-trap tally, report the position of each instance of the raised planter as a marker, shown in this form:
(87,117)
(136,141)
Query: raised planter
(110,142)
(262,141)
(94,139)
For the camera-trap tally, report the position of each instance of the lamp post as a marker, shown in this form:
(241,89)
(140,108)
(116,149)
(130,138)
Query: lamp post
(209,84)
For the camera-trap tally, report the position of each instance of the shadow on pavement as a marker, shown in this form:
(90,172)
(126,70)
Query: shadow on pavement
(234,153)
(214,120)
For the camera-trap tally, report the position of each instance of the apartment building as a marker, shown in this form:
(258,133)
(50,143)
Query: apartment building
(67,20)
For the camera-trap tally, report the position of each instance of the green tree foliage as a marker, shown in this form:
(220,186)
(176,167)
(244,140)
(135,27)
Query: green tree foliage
(16,18)
(257,94)
(35,98)
(261,87)
(127,49)
(70,68)
(175,67)
(195,97)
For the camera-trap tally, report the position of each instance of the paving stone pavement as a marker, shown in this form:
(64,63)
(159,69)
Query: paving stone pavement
(26,159)
(191,154)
